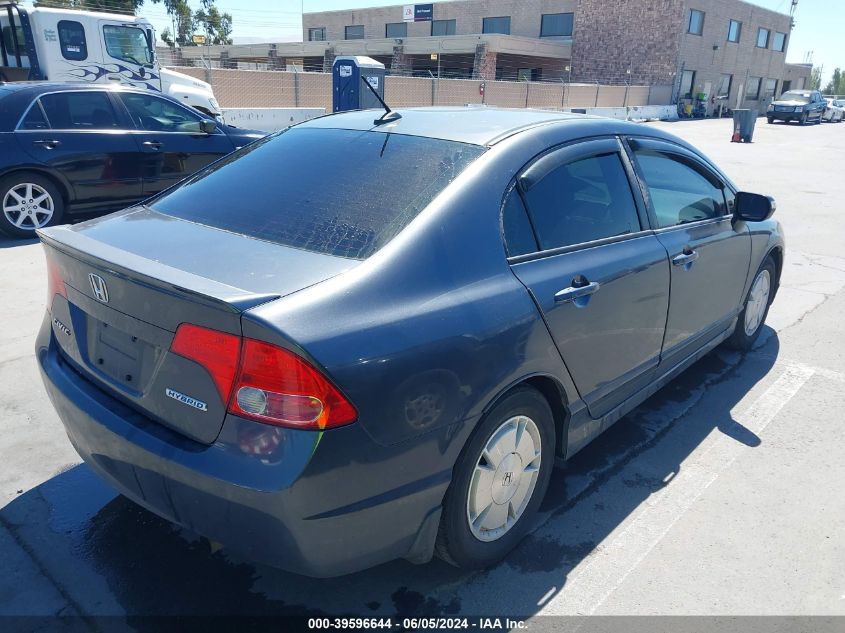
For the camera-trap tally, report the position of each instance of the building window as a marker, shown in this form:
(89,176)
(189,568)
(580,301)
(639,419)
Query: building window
(696,22)
(734,30)
(396,29)
(529,74)
(779,42)
(771,88)
(725,82)
(762,38)
(317,35)
(354,32)
(556,25)
(752,88)
(497,25)
(687,82)
(72,40)
(443,27)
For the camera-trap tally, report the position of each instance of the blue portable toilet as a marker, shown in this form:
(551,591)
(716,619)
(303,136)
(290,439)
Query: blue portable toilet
(348,93)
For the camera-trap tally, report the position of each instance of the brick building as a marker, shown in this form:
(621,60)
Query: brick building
(718,47)
(725,48)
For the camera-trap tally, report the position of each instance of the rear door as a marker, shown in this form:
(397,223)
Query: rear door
(597,273)
(169,138)
(82,135)
(691,209)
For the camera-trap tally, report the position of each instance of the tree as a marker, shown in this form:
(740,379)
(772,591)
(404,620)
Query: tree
(836,85)
(217,26)
(816,78)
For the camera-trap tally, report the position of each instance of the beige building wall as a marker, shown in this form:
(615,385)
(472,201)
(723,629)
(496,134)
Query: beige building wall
(711,54)
(798,75)
(468,15)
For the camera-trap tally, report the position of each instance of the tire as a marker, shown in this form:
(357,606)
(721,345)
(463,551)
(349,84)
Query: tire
(770,120)
(28,190)
(477,547)
(743,337)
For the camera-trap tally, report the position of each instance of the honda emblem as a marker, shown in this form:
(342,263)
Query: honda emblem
(98,287)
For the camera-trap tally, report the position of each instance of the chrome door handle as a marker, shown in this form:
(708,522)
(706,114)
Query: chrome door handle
(576,292)
(153,145)
(49,144)
(687,257)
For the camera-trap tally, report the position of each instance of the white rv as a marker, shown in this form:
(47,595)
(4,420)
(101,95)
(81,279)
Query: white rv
(75,46)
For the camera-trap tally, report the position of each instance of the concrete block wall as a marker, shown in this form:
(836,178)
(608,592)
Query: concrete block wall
(280,89)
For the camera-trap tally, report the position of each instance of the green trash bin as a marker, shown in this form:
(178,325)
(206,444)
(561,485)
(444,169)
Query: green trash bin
(744,120)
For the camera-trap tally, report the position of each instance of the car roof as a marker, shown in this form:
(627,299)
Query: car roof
(15,97)
(471,124)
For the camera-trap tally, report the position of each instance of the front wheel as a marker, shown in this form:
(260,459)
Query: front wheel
(757,302)
(498,482)
(770,120)
(29,201)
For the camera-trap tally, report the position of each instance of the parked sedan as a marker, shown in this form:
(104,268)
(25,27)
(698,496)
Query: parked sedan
(797,105)
(835,110)
(67,149)
(329,372)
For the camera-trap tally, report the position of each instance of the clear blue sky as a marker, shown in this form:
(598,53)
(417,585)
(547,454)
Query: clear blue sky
(820,24)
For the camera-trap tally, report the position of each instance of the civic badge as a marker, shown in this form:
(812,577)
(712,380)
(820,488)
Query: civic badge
(98,287)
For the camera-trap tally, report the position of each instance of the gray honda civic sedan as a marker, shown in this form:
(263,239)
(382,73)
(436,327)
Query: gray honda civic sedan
(356,341)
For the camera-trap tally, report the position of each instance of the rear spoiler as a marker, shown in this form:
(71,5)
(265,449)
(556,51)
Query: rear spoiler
(155,274)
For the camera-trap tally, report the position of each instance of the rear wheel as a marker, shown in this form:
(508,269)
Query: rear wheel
(757,302)
(28,201)
(498,482)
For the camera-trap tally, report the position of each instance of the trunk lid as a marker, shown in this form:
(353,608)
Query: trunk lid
(130,279)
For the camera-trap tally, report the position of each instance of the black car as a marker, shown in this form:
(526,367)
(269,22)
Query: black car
(797,105)
(71,148)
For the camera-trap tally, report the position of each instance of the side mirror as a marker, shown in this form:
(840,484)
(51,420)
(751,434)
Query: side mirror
(207,126)
(753,207)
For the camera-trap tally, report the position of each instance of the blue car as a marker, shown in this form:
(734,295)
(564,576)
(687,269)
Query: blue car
(356,340)
(80,148)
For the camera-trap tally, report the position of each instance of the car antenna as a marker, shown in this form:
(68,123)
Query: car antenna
(389,115)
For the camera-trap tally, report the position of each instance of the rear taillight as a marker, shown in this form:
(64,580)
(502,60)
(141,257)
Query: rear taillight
(55,283)
(217,351)
(264,382)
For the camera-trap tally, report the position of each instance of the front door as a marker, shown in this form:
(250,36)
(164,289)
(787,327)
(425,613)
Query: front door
(599,278)
(82,136)
(170,138)
(709,252)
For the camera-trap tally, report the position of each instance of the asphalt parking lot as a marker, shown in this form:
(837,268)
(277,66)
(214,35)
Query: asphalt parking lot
(720,495)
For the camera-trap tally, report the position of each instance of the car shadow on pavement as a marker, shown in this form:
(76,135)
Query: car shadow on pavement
(12,242)
(109,556)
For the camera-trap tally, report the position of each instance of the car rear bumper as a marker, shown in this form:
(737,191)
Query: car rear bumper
(315,504)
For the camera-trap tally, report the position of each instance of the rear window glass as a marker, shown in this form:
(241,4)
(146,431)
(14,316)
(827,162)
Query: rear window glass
(339,192)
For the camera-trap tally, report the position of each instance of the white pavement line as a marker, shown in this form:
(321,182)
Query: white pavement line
(601,574)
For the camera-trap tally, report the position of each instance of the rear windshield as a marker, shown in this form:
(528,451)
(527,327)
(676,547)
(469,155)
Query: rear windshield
(340,192)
